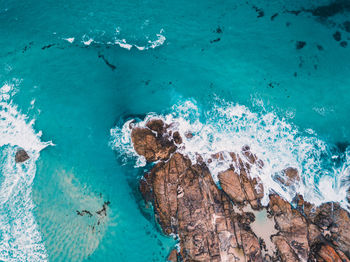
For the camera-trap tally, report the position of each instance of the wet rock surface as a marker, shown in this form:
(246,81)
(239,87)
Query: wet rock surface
(151,143)
(213,224)
(21,156)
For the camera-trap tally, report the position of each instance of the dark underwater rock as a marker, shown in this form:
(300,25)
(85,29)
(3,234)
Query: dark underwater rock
(346,26)
(337,36)
(260,12)
(300,45)
(343,44)
(331,9)
(215,40)
(21,156)
(274,16)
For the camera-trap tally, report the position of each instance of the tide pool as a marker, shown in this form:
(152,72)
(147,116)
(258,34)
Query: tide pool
(70,69)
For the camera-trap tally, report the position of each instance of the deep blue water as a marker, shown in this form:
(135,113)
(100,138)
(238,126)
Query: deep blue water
(239,52)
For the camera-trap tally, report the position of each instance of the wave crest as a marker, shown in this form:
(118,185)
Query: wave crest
(228,127)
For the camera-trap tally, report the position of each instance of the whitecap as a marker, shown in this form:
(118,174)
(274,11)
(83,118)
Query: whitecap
(70,39)
(87,40)
(20,237)
(227,127)
(150,44)
(123,44)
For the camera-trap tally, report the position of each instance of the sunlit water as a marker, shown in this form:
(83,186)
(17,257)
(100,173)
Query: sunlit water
(225,70)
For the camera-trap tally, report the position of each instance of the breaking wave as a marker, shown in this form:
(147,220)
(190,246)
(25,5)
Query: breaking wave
(228,127)
(20,239)
(122,42)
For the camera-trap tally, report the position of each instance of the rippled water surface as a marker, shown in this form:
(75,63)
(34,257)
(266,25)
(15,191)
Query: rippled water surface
(272,74)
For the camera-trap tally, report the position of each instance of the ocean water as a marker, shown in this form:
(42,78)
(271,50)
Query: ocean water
(234,73)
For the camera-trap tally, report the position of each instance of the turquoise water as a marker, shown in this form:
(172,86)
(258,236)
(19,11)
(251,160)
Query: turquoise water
(67,65)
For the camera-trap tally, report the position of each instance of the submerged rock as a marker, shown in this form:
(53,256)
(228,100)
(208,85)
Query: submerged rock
(21,156)
(300,45)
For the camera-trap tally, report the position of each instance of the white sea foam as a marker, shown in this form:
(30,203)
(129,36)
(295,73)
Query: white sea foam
(70,39)
(87,40)
(20,239)
(151,44)
(122,42)
(227,127)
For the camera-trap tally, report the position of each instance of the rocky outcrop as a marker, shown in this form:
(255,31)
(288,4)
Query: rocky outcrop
(21,156)
(334,225)
(188,203)
(152,142)
(241,188)
(292,227)
(214,224)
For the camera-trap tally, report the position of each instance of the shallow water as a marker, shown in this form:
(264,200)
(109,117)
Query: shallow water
(68,66)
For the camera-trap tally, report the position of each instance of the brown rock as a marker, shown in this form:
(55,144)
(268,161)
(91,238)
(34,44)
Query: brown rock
(291,176)
(177,138)
(172,256)
(147,144)
(334,223)
(292,226)
(328,254)
(188,203)
(156,125)
(241,188)
(249,155)
(21,156)
(286,253)
(231,184)
(188,135)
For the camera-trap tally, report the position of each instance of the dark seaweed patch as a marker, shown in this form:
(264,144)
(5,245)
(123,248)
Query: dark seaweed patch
(326,11)
(215,40)
(346,26)
(84,212)
(27,47)
(343,44)
(113,67)
(47,46)
(337,36)
(274,16)
(294,12)
(342,146)
(331,9)
(218,30)
(319,47)
(259,11)
(103,210)
(273,84)
(300,44)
